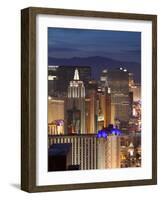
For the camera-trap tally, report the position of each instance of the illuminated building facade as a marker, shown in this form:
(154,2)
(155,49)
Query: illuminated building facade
(109,152)
(118,82)
(104,110)
(135,88)
(56,116)
(131,79)
(75,106)
(104,101)
(84,149)
(130,151)
(91,111)
(90,152)
(135,120)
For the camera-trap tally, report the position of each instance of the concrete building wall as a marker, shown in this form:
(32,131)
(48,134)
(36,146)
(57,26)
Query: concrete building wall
(109,152)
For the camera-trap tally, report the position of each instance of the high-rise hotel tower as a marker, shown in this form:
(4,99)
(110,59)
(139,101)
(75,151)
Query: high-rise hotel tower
(75,107)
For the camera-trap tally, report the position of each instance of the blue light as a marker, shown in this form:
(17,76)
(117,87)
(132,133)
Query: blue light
(113,131)
(118,132)
(101,134)
(104,134)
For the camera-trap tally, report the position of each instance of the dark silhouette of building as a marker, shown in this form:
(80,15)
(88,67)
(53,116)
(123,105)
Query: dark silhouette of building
(59,157)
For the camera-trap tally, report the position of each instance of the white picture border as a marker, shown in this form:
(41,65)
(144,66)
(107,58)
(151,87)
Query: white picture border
(43,177)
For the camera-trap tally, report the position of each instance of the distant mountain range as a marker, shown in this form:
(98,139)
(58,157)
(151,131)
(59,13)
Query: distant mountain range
(98,63)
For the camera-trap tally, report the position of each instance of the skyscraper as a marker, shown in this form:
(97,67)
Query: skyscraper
(104,113)
(75,106)
(118,82)
(104,101)
(91,110)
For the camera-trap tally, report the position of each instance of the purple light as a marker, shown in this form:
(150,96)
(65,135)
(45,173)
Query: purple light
(118,132)
(115,131)
(104,134)
(101,134)
(59,122)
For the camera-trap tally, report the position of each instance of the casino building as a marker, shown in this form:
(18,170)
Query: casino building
(89,151)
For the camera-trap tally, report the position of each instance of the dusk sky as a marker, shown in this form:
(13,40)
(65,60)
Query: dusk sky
(118,45)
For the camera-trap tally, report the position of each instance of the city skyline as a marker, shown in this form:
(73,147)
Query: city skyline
(94,102)
(93,125)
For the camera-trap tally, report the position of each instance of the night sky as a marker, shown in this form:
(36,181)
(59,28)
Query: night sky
(65,43)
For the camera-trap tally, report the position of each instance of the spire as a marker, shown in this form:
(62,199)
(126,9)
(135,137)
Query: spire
(131,145)
(76,75)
